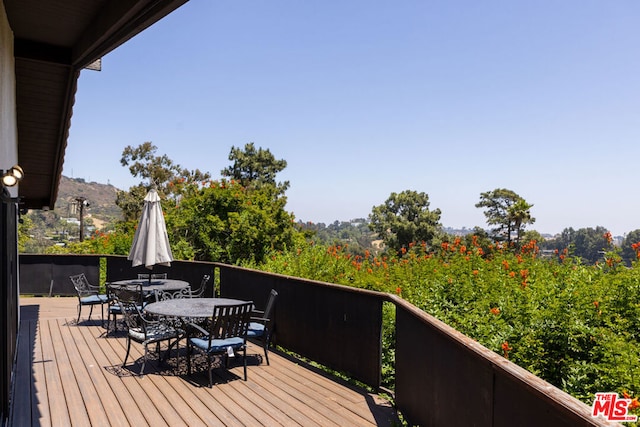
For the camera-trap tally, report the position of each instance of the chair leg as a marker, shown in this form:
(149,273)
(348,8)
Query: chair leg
(90,311)
(266,351)
(109,317)
(188,357)
(79,311)
(144,360)
(244,357)
(177,353)
(127,355)
(209,367)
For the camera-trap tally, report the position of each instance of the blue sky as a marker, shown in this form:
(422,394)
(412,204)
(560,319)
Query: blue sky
(362,99)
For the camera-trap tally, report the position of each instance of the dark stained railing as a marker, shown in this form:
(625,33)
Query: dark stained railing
(445,378)
(442,376)
(337,326)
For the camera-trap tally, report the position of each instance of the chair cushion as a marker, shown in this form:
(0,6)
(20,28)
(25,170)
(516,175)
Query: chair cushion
(115,308)
(94,299)
(217,345)
(138,335)
(255,329)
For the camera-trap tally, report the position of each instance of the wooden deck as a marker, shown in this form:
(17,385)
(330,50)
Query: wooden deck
(70,374)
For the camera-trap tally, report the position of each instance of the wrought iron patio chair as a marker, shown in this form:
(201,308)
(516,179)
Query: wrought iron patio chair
(185,292)
(88,294)
(141,329)
(198,292)
(227,334)
(161,295)
(262,325)
(114,310)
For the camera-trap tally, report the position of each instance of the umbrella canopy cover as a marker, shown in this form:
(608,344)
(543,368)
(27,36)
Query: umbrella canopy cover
(150,243)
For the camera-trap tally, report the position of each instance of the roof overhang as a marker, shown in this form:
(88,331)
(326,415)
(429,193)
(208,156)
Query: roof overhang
(53,41)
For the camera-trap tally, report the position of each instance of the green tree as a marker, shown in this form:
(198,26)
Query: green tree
(255,167)
(508,212)
(24,228)
(591,244)
(160,171)
(227,222)
(405,218)
(354,235)
(533,235)
(629,253)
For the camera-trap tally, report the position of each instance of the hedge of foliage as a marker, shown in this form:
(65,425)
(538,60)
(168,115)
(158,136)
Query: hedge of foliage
(576,326)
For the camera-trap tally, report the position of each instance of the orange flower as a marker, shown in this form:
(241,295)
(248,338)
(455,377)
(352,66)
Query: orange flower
(506,349)
(398,290)
(495,311)
(608,237)
(634,403)
(596,303)
(475,272)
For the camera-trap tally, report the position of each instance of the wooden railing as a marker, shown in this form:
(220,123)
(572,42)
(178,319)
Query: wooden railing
(442,376)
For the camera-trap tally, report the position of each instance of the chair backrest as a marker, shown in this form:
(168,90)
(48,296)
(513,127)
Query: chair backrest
(112,291)
(161,295)
(130,300)
(203,285)
(128,293)
(271,302)
(268,309)
(82,285)
(230,321)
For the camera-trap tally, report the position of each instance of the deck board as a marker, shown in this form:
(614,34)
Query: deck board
(71,373)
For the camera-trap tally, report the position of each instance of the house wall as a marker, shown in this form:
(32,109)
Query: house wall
(8,122)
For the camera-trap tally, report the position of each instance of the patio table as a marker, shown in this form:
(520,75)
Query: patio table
(188,307)
(155,284)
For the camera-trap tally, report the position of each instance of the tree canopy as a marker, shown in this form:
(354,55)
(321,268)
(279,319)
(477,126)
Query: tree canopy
(255,167)
(507,212)
(630,247)
(159,171)
(227,220)
(405,218)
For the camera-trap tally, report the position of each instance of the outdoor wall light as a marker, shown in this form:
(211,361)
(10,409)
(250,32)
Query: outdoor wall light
(12,176)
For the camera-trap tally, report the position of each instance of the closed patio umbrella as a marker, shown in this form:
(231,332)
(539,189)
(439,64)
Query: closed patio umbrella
(150,243)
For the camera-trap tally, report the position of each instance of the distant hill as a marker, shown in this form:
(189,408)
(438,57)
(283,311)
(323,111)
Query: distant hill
(101,198)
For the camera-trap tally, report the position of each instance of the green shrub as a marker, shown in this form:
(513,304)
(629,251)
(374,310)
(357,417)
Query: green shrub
(575,326)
